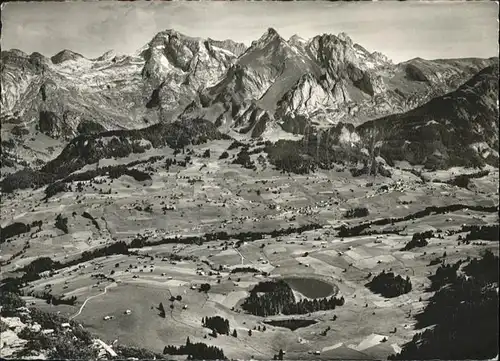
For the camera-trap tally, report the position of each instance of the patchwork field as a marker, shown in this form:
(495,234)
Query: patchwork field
(210,196)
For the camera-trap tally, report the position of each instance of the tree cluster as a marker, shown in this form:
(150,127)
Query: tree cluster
(465,315)
(18,228)
(92,219)
(118,171)
(10,301)
(89,127)
(127,352)
(55,188)
(32,270)
(41,264)
(318,304)
(89,149)
(205,287)
(119,247)
(244,270)
(54,300)
(276,296)
(62,223)
(62,344)
(445,274)
(196,351)
(357,212)
(463,180)
(316,150)
(271,298)
(485,269)
(243,158)
(25,178)
(418,240)
(389,285)
(114,171)
(235,144)
(216,324)
(142,241)
(483,232)
(361,229)
(288,156)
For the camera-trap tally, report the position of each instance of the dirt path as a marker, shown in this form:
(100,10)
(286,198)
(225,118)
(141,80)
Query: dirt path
(89,298)
(242,258)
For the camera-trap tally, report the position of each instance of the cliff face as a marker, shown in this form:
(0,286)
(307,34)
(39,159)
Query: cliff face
(177,67)
(327,79)
(57,95)
(116,92)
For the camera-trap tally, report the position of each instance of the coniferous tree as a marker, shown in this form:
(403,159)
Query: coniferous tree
(162,310)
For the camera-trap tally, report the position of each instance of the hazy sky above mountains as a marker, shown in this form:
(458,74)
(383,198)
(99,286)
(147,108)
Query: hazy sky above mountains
(399,30)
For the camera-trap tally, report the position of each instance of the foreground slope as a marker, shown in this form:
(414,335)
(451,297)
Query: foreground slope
(114,241)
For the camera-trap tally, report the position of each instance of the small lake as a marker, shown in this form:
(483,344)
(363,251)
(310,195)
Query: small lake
(311,287)
(291,324)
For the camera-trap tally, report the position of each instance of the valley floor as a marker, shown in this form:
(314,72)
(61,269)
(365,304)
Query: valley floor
(210,196)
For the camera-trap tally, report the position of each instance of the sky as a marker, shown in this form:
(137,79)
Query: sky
(400,30)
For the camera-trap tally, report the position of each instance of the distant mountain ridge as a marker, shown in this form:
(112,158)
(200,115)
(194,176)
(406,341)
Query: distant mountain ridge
(458,128)
(273,84)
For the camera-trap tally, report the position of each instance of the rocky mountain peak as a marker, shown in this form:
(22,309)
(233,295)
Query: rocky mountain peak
(345,38)
(110,54)
(39,60)
(16,58)
(66,55)
(381,57)
(269,36)
(170,36)
(14,52)
(296,40)
(271,32)
(229,45)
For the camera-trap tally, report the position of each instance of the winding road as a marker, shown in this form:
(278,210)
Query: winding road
(89,298)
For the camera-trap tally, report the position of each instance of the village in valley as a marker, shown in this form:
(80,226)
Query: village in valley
(139,275)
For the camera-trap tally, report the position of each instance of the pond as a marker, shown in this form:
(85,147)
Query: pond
(312,287)
(291,324)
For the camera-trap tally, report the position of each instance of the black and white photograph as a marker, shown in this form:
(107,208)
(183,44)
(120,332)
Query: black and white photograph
(249,180)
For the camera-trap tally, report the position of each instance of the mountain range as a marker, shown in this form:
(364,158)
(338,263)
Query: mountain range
(433,112)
